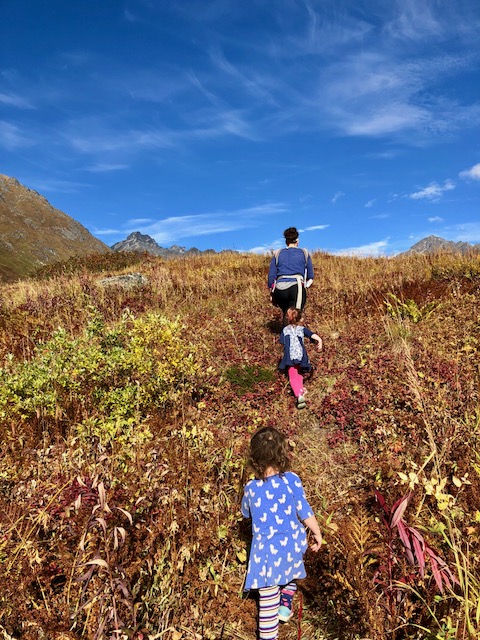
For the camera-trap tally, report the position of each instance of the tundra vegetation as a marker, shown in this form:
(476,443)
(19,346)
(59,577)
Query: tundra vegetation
(125,417)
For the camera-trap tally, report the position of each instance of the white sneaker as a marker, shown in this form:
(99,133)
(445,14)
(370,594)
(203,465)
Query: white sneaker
(284,613)
(301,404)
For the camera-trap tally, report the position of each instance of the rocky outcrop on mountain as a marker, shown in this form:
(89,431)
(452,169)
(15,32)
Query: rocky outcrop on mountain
(125,281)
(33,233)
(433,244)
(141,243)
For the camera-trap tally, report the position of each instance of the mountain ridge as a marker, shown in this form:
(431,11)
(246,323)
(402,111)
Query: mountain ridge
(34,233)
(141,243)
(433,243)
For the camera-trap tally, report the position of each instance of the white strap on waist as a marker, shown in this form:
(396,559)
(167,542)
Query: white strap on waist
(299,280)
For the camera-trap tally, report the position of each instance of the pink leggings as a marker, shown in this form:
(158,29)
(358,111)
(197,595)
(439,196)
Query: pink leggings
(296,380)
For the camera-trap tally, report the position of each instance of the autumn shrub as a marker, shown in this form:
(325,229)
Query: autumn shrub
(95,263)
(458,267)
(104,380)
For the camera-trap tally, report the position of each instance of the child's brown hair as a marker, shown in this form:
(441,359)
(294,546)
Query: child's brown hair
(294,315)
(268,448)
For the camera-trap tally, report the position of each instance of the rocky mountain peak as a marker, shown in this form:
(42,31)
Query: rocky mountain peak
(432,244)
(142,243)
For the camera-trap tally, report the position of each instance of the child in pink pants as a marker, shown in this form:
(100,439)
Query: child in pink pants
(295,358)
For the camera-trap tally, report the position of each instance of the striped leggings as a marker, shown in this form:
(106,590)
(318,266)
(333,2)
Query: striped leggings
(268,603)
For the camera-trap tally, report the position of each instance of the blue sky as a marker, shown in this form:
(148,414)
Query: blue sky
(217,124)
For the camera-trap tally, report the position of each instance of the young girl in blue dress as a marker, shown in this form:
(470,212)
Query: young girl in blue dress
(276,503)
(295,358)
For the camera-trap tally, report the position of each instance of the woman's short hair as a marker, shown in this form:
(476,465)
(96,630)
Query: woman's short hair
(290,235)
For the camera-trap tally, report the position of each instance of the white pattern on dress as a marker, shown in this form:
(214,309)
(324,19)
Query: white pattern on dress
(295,333)
(276,537)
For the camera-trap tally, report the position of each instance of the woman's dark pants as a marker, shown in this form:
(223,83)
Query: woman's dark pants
(286,298)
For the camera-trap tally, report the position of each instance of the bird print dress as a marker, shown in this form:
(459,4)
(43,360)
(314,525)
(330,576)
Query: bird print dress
(276,505)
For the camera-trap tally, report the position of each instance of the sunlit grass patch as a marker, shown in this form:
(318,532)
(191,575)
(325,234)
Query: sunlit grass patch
(247,377)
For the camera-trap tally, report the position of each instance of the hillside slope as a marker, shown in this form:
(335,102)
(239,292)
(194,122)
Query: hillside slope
(125,417)
(33,233)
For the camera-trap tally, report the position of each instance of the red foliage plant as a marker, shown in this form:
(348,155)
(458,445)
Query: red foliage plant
(416,549)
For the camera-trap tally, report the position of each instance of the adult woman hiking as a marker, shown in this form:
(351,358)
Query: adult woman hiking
(290,274)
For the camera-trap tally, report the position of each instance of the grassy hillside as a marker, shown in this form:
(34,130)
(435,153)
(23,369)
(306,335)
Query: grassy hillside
(33,233)
(125,417)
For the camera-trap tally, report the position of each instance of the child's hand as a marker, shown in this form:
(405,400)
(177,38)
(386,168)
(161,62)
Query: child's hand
(318,542)
(320,345)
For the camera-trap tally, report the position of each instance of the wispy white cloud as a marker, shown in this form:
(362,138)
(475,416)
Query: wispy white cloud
(376,94)
(372,249)
(337,196)
(379,216)
(267,248)
(370,203)
(471,174)
(466,232)
(106,232)
(12,138)
(415,21)
(435,219)
(172,229)
(59,186)
(433,192)
(142,221)
(103,167)
(428,21)
(218,123)
(376,87)
(316,227)
(13,100)
(96,138)
(253,82)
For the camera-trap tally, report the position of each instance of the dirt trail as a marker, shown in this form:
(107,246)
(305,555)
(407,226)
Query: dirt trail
(328,477)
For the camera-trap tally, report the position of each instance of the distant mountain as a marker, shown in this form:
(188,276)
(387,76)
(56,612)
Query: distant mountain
(33,233)
(433,244)
(140,243)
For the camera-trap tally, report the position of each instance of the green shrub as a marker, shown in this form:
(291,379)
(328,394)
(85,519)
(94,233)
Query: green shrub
(108,374)
(409,309)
